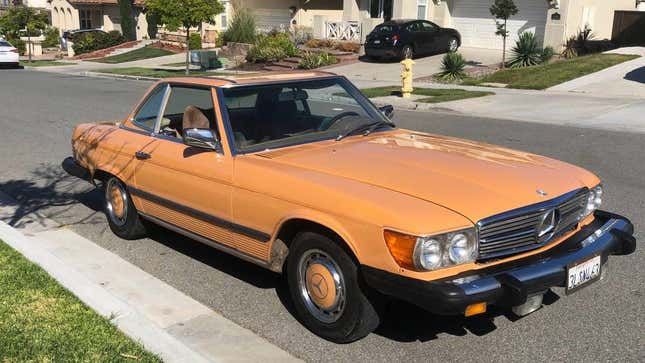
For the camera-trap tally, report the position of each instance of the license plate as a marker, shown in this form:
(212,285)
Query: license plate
(583,273)
(377,42)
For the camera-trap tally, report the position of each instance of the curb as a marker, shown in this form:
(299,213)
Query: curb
(161,318)
(118,76)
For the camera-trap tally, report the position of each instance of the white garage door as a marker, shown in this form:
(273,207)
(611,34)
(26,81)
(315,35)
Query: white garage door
(477,27)
(269,19)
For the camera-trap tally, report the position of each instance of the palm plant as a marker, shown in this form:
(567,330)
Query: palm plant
(452,67)
(526,51)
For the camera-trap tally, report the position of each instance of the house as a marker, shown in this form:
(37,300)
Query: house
(91,14)
(553,21)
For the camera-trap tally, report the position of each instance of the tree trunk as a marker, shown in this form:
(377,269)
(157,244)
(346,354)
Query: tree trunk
(504,46)
(187,50)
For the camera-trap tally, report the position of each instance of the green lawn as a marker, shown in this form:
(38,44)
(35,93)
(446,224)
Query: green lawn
(44,63)
(436,95)
(40,321)
(545,76)
(137,54)
(156,73)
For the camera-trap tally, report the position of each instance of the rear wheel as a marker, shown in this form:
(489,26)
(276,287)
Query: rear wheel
(407,52)
(121,213)
(324,285)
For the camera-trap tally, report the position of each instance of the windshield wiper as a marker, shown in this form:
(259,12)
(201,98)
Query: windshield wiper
(366,129)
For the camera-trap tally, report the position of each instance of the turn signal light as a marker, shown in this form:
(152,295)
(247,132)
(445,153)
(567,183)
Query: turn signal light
(475,309)
(401,247)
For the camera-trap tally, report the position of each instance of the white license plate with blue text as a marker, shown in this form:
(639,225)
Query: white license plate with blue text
(583,273)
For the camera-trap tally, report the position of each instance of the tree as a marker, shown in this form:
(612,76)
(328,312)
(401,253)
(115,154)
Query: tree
(19,19)
(185,14)
(127,21)
(503,9)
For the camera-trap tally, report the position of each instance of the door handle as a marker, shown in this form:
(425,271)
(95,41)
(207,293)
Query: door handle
(142,155)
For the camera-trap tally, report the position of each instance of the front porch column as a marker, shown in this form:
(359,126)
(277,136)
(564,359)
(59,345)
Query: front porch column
(351,10)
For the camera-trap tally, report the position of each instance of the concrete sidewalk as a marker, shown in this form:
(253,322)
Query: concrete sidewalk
(164,320)
(87,66)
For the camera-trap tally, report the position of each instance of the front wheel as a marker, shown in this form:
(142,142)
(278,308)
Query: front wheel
(324,284)
(121,213)
(453,45)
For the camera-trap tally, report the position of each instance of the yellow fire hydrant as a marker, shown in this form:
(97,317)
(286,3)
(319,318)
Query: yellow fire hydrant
(406,77)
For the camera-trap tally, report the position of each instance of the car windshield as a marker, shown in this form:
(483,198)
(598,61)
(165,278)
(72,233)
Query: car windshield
(277,115)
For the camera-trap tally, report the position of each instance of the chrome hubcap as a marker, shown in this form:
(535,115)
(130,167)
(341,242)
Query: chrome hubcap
(453,45)
(116,200)
(322,286)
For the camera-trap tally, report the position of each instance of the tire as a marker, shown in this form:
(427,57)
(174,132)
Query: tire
(324,285)
(407,52)
(453,45)
(122,215)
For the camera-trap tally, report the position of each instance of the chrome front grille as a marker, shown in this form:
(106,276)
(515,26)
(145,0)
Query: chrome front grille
(517,230)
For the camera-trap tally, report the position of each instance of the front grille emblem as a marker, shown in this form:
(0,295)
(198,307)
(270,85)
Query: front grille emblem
(548,224)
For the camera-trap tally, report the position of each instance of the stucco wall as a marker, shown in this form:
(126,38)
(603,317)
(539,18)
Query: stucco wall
(600,14)
(64,15)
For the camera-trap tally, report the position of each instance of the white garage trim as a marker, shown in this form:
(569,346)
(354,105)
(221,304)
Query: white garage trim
(268,19)
(472,18)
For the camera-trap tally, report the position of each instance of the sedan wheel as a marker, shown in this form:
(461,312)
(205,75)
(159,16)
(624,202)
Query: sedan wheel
(453,45)
(121,213)
(324,285)
(407,52)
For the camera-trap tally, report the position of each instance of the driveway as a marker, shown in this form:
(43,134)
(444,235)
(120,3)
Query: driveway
(625,79)
(426,66)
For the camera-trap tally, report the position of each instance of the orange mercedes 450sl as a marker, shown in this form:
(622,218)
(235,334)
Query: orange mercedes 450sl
(301,174)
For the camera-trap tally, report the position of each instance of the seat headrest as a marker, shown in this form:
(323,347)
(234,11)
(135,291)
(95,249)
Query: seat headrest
(194,118)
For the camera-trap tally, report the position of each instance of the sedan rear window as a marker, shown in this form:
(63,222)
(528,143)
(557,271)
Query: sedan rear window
(384,28)
(5,44)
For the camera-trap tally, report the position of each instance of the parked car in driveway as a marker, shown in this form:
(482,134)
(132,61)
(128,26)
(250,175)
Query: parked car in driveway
(301,174)
(9,56)
(406,38)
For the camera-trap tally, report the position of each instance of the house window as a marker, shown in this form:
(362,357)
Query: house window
(422,9)
(85,16)
(381,9)
(224,16)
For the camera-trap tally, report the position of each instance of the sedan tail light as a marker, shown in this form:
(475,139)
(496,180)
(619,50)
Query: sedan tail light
(13,50)
(396,37)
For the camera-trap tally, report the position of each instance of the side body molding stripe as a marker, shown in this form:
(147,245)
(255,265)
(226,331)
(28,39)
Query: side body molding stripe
(237,228)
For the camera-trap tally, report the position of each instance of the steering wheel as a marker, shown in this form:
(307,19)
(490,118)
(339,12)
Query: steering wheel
(327,124)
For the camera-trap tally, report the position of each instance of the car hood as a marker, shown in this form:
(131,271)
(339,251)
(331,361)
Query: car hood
(474,179)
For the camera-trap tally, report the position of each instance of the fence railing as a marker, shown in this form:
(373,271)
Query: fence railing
(343,30)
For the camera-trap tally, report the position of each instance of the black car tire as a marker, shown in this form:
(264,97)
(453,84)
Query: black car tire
(352,315)
(126,224)
(407,52)
(453,44)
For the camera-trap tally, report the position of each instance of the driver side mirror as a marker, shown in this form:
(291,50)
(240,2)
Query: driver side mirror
(387,110)
(202,138)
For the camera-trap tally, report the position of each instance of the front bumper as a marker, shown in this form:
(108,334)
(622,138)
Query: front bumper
(510,284)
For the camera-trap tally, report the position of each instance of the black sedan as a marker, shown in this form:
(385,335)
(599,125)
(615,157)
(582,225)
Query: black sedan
(409,38)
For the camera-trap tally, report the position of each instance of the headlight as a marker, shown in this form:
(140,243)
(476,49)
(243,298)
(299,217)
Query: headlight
(594,200)
(432,252)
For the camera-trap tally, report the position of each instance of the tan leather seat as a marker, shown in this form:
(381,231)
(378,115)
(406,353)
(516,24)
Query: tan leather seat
(194,118)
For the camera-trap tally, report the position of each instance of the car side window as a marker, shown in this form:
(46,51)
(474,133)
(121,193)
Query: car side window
(146,116)
(428,26)
(187,107)
(413,27)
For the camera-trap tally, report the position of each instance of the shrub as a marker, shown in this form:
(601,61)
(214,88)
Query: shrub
(526,51)
(578,44)
(272,48)
(348,47)
(301,34)
(89,42)
(311,60)
(452,67)
(195,41)
(19,44)
(242,27)
(51,38)
(547,53)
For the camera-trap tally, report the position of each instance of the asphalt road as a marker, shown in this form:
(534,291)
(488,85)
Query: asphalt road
(604,322)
